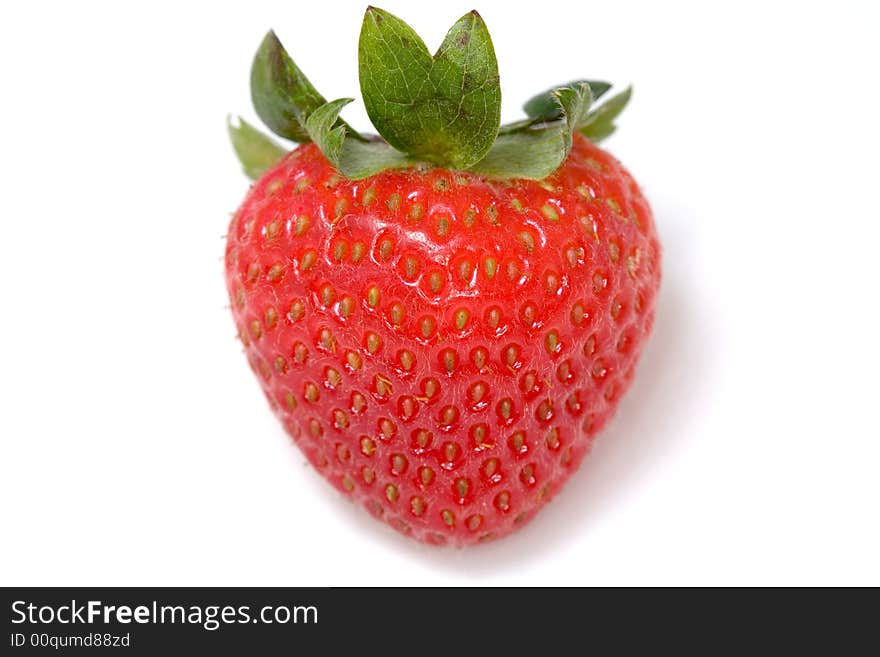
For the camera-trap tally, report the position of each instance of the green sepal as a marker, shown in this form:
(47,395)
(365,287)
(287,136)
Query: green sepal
(444,109)
(353,158)
(545,106)
(535,149)
(256,152)
(281,93)
(599,123)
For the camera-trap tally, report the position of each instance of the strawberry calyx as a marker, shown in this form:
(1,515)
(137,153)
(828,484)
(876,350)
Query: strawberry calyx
(429,110)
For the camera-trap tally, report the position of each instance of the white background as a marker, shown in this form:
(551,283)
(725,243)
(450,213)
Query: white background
(138,449)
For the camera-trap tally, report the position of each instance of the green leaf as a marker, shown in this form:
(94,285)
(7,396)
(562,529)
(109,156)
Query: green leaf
(599,123)
(575,103)
(282,95)
(255,151)
(353,158)
(545,106)
(598,131)
(533,153)
(536,149)
(445,109)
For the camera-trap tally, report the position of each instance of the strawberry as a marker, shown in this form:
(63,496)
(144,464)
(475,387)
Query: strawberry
(442,318)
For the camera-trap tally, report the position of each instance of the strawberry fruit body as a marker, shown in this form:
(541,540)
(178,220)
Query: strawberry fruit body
(442,342)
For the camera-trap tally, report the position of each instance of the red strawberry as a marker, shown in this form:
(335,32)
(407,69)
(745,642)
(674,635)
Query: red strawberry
(442,340)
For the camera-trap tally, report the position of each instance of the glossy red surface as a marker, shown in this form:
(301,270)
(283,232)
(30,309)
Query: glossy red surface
(442,347)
